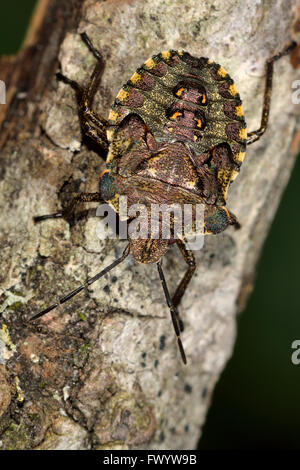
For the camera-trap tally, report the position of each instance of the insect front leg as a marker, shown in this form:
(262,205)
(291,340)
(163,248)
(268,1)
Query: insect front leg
(256,135)
(191,262)
(68,211)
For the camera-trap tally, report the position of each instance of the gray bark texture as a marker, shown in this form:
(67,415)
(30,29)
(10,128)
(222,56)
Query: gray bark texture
(103,370)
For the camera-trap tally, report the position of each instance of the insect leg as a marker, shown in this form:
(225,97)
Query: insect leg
(173,311)
(255,135)
(86,113)
(90,281)
(85,96)
(65,213)
(98,135)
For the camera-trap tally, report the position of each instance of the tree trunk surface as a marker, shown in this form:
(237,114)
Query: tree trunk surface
(103,370)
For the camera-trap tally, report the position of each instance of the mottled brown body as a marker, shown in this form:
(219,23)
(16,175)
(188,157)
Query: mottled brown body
(176,134)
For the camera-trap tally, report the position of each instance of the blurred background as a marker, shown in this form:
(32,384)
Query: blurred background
(256,404)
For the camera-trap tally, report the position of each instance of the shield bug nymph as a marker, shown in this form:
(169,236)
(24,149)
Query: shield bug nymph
(176,133)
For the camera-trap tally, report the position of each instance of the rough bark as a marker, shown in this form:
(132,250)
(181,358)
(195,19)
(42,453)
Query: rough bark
(104,371)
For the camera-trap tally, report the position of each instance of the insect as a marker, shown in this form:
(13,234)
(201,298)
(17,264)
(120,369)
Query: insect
(176,133)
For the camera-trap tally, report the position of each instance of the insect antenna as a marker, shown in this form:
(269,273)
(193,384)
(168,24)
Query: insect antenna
(90,281)
(173,311)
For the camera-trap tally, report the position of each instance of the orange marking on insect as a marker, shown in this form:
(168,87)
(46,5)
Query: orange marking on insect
(150,64)
(109,134)
(240,156)
(234,175)
(112,115)
(221,173)
(166,55)
(227,211)
(176,115)
(203,99)
(179,92)
(114,203)
(135,78)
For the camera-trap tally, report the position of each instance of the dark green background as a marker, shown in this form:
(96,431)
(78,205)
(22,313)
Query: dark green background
(256,402)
